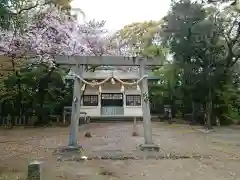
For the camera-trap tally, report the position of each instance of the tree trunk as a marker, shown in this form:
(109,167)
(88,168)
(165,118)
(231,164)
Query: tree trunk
(171,106)
(193,122)
(43,85)
(10,121)
(19,88)
(209,110)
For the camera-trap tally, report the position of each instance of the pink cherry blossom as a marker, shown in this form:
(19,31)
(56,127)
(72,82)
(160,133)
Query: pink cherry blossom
(50,32)
(54,32)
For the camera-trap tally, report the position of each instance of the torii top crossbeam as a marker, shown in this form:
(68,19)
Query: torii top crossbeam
(106,60)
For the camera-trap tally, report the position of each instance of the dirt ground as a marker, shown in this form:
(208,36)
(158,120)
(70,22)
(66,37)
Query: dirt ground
(19,146)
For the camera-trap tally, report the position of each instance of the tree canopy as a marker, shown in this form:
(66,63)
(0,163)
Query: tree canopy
(199,40)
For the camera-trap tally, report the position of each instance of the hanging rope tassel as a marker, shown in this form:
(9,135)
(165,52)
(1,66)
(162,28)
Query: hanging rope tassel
(100,89)
(83,87)
(112,81)
(122,88)
(138,88)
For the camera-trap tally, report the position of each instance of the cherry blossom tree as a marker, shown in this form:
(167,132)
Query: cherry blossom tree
(48,32)
(98,40)
(53,32)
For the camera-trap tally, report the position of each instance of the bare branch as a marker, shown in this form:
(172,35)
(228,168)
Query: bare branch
(27,8)
(236,38)
(231,28)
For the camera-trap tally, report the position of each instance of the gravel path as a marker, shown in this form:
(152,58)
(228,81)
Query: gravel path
(18,147)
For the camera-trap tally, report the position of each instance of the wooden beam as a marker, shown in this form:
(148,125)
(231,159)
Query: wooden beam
(105,60)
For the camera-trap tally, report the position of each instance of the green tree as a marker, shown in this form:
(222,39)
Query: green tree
(177,34)
(205,46)
(43,93)
(141,38)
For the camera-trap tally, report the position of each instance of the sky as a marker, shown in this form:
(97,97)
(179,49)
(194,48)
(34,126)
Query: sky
(120,13)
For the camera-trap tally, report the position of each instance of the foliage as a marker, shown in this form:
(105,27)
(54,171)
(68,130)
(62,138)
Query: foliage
(139,36)
(36,99)
(201,77)
(48,33)
(204,42)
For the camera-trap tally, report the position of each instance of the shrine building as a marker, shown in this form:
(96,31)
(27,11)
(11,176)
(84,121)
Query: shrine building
(113,92)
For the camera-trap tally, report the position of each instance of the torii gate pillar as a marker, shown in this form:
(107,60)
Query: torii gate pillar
(145,106)
(75,114)
(148,144)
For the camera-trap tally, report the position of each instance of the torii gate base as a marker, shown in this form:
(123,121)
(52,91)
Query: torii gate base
(79,62)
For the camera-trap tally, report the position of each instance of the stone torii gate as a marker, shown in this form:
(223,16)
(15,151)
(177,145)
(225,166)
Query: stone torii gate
(79,62)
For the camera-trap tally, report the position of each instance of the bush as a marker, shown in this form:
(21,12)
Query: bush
(225,120)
